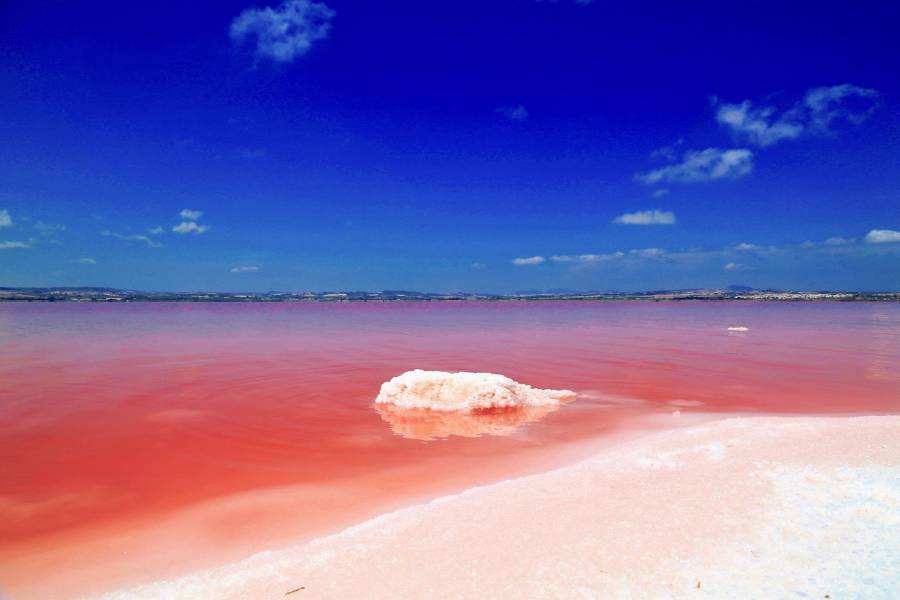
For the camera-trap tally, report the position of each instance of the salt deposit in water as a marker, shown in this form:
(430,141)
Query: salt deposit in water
(462,391)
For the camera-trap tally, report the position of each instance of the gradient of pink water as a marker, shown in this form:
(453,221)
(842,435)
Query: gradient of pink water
(113,418)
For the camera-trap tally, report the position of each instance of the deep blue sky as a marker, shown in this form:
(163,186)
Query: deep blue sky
(422,145)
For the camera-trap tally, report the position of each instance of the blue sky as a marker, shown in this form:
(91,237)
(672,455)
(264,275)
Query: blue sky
(478,146)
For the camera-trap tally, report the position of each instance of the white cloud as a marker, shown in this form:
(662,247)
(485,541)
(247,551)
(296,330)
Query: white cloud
(155,231)
(648,252)
(703,165)
(186,227)
(587,258)
(733,266)
(828,104)
(132,238)
(533,260)
(646,217)
(5,219)
(838,241)
(745,247)
(244,269)
(757,125)
(814,115)
(478,265)
(660,192)
(190,215)
(883,236)
(85,261)
(513,113)
(12,245)
(285,32)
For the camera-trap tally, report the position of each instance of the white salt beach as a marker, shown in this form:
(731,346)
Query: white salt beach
(759,507)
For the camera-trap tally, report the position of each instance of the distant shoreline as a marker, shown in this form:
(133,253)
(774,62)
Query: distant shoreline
(117,295)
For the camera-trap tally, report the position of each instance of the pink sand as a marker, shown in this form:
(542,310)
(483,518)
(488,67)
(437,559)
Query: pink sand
(744,507)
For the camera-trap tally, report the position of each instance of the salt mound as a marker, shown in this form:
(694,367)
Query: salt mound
(440,390)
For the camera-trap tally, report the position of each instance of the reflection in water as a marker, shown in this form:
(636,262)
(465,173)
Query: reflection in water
(425,424)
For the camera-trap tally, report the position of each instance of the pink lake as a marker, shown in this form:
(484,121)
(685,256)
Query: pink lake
(140,441)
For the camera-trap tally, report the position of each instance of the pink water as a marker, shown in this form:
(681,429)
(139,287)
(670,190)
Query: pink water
(139,441)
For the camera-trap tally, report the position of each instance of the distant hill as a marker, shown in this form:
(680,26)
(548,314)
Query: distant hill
(733,293)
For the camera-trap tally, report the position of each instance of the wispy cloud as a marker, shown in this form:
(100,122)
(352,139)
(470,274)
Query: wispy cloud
(829,104)
(156,230)
(648,252)
(48,228)
(757,125)
(703,165)
(513,113)
(244,269)
(646,217)
(838,241)
(5,219)
(186,227)
(587,258)
(670,152)
(132,238)
(14,245)
(532,260)
(815,114)
(735,266)
(285,32)
(190,215)
(732,257)
(660,193)
(85,261)
(883,236)
(478,265)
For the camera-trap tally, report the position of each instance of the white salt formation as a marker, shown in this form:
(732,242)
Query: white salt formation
(440,390)
(742,508)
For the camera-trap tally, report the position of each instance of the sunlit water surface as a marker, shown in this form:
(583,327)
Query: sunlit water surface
(142,439)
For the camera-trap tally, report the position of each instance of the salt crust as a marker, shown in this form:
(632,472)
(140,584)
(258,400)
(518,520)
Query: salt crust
(443,391)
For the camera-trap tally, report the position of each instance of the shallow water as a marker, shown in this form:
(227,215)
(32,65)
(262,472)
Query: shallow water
(115,417)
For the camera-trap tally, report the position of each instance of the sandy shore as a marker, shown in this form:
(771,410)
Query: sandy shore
(749,507)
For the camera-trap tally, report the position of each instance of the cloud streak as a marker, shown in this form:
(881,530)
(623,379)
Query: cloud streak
(735,266)
(247,269)
(531,260)
(587,259)
(702,165)
(132,238)
(5,219)
(14,245)
(646,217)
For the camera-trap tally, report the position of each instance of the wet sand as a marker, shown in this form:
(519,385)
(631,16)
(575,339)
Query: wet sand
(746,507)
